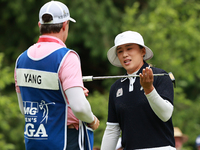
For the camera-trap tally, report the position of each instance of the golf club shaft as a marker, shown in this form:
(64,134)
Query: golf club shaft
(91,78)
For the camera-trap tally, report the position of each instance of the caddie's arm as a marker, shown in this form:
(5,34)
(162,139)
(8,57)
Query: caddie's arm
(81,107)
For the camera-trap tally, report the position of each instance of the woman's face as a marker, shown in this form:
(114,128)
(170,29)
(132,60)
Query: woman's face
(131,56)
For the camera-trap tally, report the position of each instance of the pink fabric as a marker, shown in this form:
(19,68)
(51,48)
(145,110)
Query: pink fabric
(70,73)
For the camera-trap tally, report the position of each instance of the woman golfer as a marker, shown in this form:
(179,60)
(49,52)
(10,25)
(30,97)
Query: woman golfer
(140,109)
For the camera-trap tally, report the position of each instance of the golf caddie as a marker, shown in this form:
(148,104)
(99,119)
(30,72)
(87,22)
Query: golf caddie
(140,109)
(50,89)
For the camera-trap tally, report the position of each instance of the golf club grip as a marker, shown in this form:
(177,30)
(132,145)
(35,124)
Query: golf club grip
(87,78)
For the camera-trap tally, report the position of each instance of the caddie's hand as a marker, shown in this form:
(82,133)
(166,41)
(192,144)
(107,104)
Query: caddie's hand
(95,124)
(146,80)
(86,91)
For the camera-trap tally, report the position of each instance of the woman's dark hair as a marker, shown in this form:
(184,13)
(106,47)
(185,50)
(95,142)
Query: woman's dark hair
(49,28)
(140,46)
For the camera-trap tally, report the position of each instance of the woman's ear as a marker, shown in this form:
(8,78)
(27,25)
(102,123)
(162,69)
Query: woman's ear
(143,51)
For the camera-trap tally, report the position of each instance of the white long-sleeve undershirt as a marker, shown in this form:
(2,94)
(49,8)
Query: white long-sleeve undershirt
(110,137)
(162,108)
(78,103)
(19,97)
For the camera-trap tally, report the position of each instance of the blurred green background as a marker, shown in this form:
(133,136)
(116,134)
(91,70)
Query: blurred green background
(171,28)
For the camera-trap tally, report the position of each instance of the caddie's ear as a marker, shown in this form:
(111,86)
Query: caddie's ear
(65,24)
(39,24)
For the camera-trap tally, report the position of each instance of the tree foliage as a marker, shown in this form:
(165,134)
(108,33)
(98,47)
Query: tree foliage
(11,126)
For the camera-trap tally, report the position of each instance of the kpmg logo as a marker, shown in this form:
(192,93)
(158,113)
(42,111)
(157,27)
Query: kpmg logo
(31,112)
(30,108)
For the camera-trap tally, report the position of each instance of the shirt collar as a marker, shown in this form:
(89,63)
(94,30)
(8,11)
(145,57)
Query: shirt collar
(137,72)
(48,38)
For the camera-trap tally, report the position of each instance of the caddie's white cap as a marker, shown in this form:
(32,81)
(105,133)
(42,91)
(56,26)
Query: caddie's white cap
(125,38)
(58,11)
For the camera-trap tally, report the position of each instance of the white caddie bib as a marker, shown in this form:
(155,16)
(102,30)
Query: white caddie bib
(37,79)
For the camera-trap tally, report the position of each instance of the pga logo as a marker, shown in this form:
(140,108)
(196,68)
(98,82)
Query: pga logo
(36,129)
(30,131)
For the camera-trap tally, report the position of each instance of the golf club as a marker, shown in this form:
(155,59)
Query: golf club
(91,78)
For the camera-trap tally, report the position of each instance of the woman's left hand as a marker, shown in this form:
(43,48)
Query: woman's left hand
(146,80)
